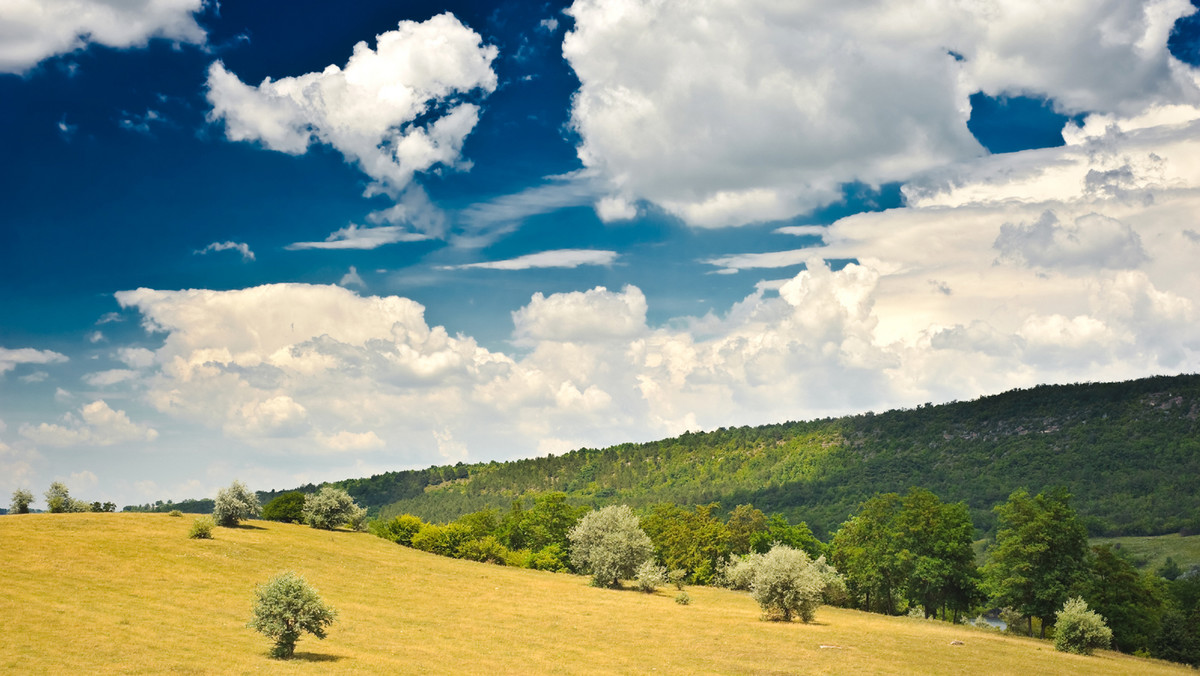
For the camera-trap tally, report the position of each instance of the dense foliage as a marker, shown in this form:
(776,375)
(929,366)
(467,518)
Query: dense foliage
(787,583)
(286,607)
(1079,630)
(1127,452)
(21,500)
(332,507)
(234,504)
(288,508)
(609,544)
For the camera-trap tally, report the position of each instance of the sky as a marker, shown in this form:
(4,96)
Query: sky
(297,244)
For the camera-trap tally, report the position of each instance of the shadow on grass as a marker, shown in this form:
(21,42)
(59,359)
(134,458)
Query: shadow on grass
(245,526)
(314,657)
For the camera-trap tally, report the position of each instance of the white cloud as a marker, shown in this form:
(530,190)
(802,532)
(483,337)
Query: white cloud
(352,441)
(560,258)
(96,425)
(34,30)
(9,358)
(352,278)
(1091,241)
(135,357)
(731,112)
(95,337)
(481,223)
(583,317)
(362,237)
(109,377)
(240,247)
(368,110)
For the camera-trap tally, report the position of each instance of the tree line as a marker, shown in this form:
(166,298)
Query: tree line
(897,554)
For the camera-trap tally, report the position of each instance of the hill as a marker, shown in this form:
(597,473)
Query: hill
(1127,451)
(129,593)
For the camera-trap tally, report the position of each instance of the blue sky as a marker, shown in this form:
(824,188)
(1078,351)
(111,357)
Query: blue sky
(303,245)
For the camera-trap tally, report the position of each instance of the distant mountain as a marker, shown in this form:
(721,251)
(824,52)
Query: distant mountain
(1129,452)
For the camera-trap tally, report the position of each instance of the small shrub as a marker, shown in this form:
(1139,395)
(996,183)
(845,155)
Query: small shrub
(552,558)
(174,512)
(650,576)
(786,583)
(284,608)
(1079,630)
(677,578)
(682,598)
(486,549)
(400,529)
(235,504)
(202,528)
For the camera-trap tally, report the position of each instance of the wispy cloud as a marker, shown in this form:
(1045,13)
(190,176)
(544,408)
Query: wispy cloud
(27,355)
(482,223)
(240,247)
(352,278)
(560,258)
(771,259)
(362,237)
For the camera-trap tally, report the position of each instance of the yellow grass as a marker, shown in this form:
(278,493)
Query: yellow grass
(130,593)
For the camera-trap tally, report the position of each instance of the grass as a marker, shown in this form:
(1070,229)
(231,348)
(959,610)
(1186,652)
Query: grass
(130,593)
(1151,552)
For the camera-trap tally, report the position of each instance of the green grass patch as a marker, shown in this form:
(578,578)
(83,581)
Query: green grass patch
(131,593)
(1150,552)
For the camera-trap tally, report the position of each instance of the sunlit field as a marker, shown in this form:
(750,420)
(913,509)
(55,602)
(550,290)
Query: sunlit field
(130,593)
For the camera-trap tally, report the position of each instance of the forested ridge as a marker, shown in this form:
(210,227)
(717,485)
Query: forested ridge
(1129,453)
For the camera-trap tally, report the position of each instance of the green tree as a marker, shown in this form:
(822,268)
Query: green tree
(331,507)
(286,607)
(58,498)
(935,545)
(693,540)
(786,583)
(234,504)
(744,523)
(609,544)
(1039,556)
(287,508)
(1132,603)
(21,499)
(867,551)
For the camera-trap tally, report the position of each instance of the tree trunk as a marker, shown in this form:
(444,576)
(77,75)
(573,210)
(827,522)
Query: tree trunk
(1031,625)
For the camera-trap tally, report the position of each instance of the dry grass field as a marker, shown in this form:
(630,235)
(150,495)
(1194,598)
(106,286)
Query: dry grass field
(130,593)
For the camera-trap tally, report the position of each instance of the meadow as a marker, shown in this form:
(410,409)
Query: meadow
(1151,551)
(130,593)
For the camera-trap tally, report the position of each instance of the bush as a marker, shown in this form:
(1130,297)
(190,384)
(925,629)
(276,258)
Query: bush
(431,538)
(331,507)
(552,558)
(284,608)
(650,576)
(486,549)
(20,501)
(202,528)
(285,508)
(174,512)
(58,498)
(676,577)
(235,504)
(787,583)
(610,544)
(682,598)
(1079,630)
(739,573)
(400,529)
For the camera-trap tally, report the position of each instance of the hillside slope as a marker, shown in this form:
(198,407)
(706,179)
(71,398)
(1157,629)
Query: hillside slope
(1128,452)
(129,593)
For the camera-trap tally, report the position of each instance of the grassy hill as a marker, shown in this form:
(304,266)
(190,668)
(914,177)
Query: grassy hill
(130,593)
(1128,452)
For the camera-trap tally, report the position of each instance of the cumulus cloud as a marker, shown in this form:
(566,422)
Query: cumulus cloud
(10,358)
(240,247)
(393,110)
(732,112)
(34,30)
(560,258)
(96,424)
(589,316)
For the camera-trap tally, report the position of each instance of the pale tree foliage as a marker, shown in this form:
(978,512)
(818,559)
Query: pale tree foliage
(285,607)
(59,500)
(786,582)
(610,544)
(650,576)
(1079,630)
(235,504)
(21,499)
(332,507)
